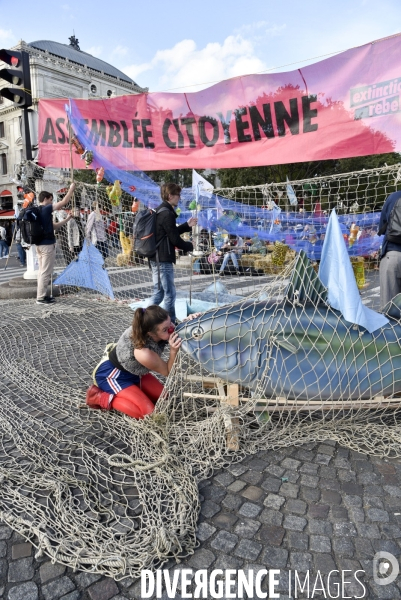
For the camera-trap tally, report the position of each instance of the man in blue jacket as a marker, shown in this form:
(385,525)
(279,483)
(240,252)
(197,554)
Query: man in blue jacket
(390,263)
(46,250)
(168,236)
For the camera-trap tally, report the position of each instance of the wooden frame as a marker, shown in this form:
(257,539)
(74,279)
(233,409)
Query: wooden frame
(229,395)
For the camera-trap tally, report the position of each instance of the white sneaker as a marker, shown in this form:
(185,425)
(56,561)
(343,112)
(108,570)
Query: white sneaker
(6,256)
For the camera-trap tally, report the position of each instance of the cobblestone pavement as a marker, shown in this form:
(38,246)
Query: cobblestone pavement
(318,507)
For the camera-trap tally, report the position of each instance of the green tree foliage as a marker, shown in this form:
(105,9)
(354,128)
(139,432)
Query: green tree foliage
(303,170)
(373,161)
(274,173)
(182,177)
(85,176)
(369,193)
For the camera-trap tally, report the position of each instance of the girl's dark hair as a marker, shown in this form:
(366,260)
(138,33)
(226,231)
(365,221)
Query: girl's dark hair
(146,321)
(169,188)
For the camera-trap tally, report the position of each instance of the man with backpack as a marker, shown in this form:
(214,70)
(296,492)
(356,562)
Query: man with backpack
(390,262)
(168,237)
(46,249)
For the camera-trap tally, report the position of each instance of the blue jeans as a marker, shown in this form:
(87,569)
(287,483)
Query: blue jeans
(227,256)
(3,248)
(21,254)
(167,288)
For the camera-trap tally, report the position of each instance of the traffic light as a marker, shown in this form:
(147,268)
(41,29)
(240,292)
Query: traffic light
(18,75)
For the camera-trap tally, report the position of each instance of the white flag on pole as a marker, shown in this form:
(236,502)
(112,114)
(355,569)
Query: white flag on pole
(200,185)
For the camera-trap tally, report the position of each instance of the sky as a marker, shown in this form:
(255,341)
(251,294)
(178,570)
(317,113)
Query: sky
(186,46)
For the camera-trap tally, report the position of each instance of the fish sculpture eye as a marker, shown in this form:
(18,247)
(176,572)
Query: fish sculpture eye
(197,333)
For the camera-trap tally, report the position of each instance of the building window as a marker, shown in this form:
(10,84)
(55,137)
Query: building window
(93,89)
(1,99)
(6,203)
(3,164)
(2,131)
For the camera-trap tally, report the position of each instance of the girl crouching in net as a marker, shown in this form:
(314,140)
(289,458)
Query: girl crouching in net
(122,379)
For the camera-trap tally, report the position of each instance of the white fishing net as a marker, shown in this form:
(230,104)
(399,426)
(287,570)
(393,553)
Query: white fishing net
(93,491)
(100,491)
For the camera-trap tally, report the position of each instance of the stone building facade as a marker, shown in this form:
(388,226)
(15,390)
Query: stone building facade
(57,71)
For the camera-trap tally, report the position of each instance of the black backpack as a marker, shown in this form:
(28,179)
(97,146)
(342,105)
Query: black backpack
(144,232)
(30,223)
(393,231)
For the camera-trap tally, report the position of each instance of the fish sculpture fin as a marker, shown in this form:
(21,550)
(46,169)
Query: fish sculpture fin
(305,285)
(282,341)
(393,308)
(293,341)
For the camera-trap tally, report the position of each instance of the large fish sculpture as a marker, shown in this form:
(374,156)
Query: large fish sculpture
(297,347)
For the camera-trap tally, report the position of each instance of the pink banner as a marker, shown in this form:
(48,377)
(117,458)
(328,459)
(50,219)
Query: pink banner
(348,105)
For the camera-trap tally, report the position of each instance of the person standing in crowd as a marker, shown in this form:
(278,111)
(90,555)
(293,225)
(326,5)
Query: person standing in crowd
(20,245)
(75,233)
(3,243)
(46,250)
(19,242)
(204,241)
(168,236)
(96,232)
(59,216)
(112,231)
(9,233)
(390,261)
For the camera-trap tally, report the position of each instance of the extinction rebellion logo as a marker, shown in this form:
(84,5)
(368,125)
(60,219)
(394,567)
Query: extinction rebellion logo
(376,99)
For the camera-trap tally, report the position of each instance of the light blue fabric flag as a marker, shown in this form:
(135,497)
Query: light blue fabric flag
(87,271)
(336,273)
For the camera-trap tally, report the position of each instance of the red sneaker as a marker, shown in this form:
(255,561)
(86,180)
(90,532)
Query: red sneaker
(96,398)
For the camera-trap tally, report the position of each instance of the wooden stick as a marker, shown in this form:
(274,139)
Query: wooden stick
(71,160)
(304,405)
(201,379)
(207,396)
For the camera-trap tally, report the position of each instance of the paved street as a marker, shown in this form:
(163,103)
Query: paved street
(136,282)
(318,507)
(10,269)
(310,509)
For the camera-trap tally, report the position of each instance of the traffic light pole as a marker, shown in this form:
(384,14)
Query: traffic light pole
(19,92)
(26,136)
